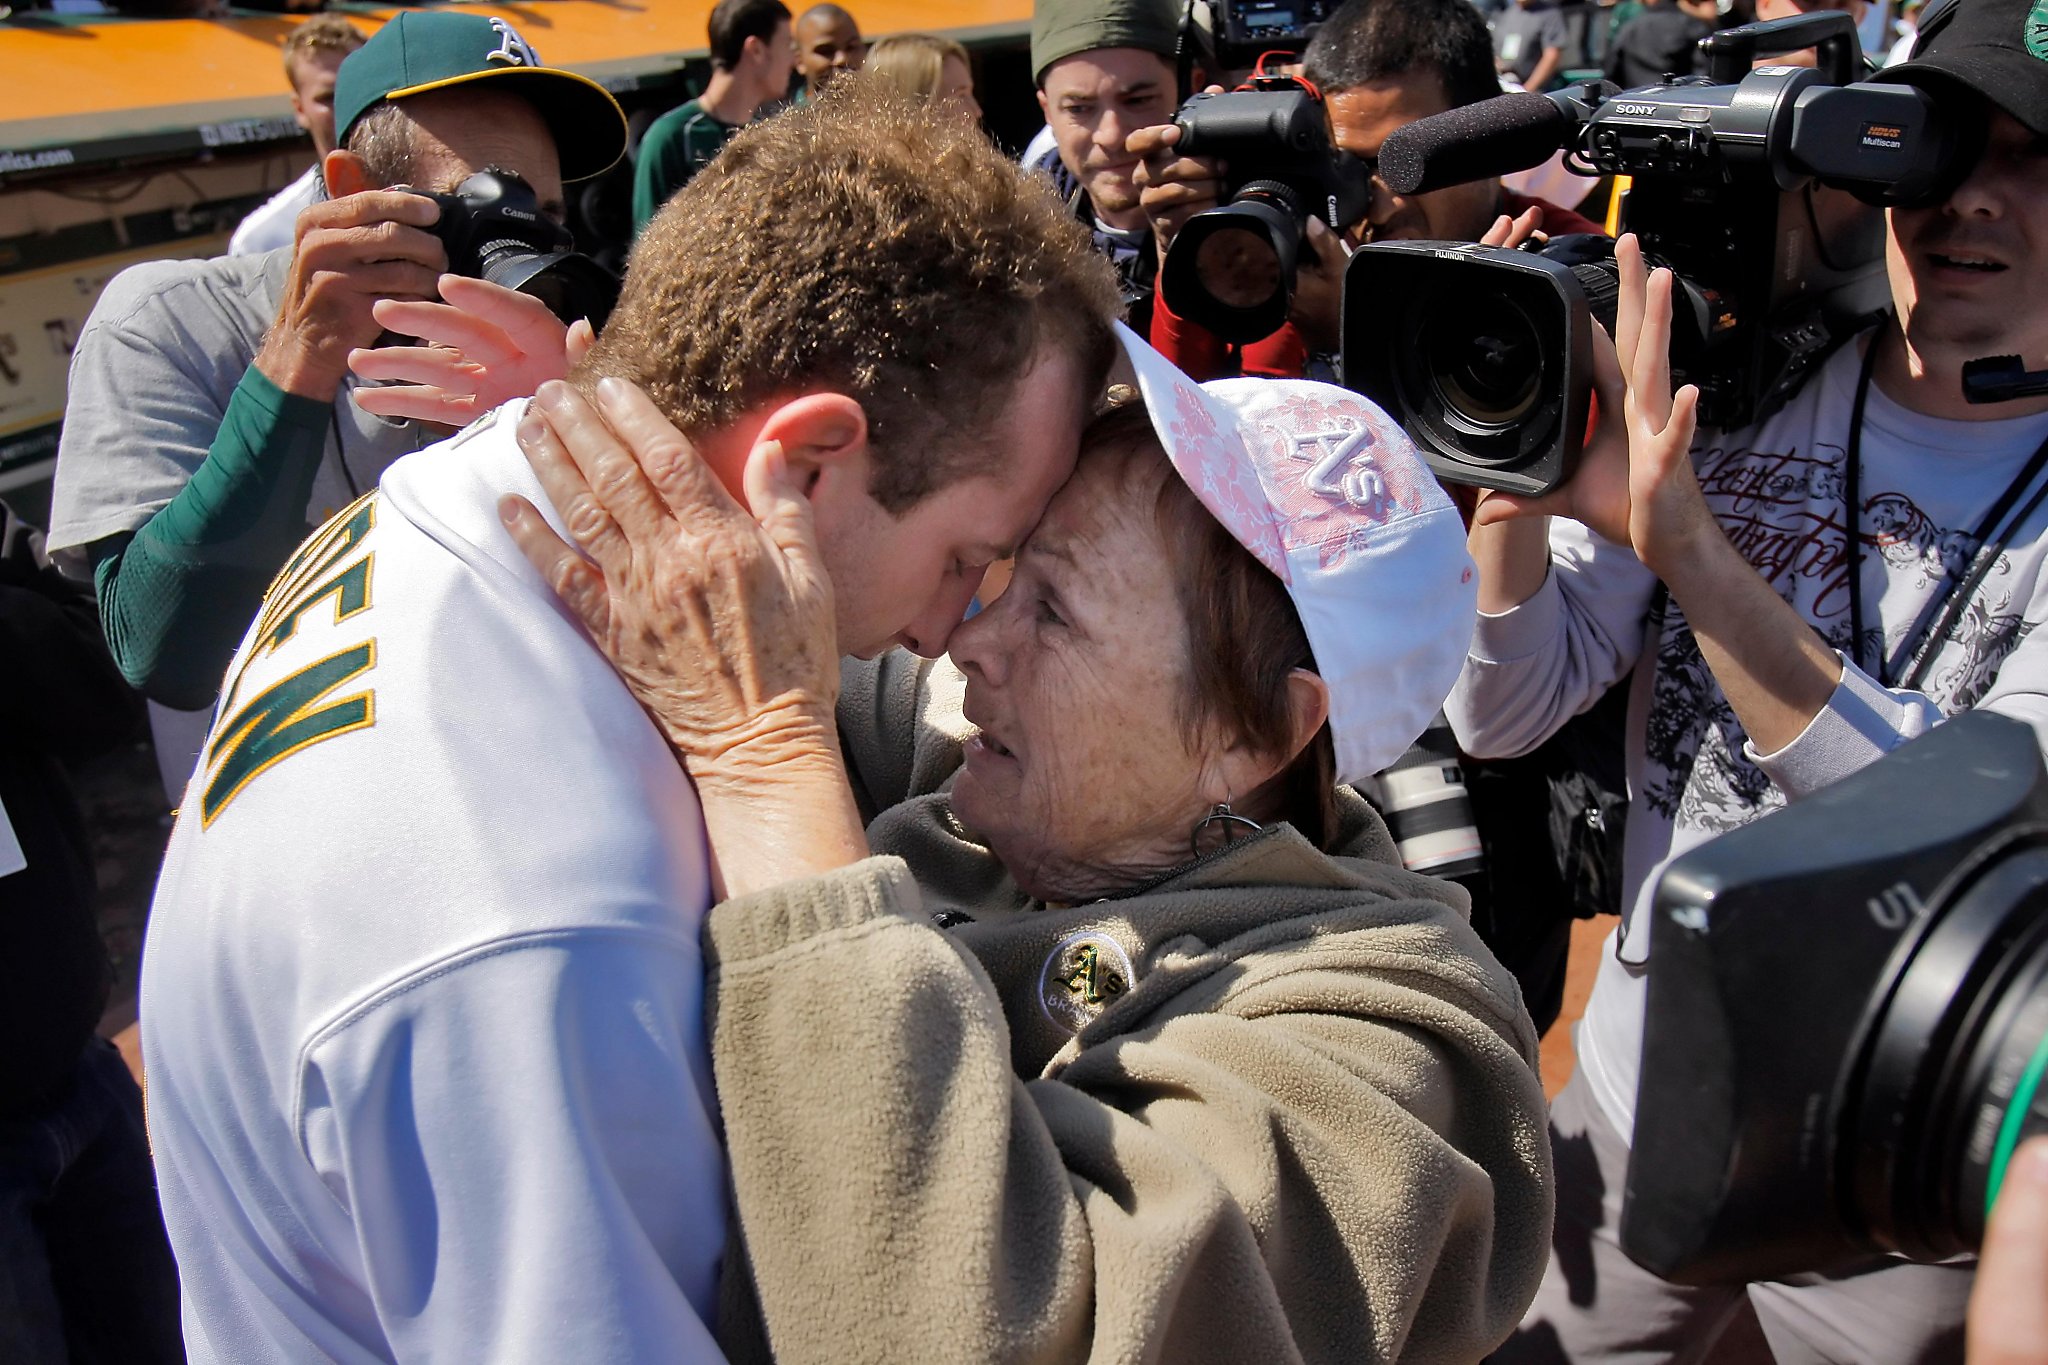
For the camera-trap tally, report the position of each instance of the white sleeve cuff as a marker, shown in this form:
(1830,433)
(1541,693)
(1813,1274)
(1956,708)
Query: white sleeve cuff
(1522,630)
(1862,722)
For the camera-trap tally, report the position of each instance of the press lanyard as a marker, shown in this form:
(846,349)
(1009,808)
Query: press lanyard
(1952,599)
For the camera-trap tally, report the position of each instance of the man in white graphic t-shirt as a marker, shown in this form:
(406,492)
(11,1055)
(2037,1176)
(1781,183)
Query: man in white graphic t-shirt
(422,1003)
(1811,563)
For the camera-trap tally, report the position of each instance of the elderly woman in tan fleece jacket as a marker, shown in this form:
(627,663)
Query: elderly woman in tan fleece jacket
(1131,1039)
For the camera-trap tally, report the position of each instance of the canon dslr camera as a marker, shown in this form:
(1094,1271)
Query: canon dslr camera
(1231,268)
(1847,1021)
(1486,354)
(494,230)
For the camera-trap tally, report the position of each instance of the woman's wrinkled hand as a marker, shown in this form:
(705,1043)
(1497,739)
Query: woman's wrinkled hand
(485,345)
(719,617)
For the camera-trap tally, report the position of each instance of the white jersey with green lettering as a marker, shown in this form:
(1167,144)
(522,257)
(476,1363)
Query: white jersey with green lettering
(422,1001)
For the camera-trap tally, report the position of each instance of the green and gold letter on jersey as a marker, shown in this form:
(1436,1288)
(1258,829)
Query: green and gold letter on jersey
(300,709)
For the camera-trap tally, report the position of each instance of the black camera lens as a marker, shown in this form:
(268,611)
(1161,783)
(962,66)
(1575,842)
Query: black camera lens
(571,286)
(1483,354)
(1238,266)
(2004,1098)
(1485,360)
(1952,1083)
(1481,375)
(1231,269)
(494,230)
(1846,1026)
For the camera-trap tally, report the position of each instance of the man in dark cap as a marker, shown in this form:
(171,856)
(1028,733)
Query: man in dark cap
(1105,69)
(1830,596)
(211,418)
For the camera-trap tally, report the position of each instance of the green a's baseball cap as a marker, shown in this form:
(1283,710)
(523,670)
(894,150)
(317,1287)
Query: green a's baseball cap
(419,51)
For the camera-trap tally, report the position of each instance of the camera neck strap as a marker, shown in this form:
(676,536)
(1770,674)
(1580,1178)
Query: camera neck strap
(1917,650)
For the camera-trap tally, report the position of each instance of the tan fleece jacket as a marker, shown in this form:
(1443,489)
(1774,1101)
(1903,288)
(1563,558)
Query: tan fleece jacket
(1280,1106)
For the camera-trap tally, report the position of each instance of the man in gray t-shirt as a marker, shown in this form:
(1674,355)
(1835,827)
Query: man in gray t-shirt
(1529,41)
(151,378)
(211,417)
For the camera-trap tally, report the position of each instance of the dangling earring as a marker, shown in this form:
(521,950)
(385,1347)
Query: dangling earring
(1222,812)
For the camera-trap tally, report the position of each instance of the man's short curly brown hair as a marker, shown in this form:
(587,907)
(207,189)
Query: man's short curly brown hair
(860,245)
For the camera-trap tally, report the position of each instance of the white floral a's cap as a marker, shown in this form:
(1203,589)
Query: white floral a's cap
(1327,491)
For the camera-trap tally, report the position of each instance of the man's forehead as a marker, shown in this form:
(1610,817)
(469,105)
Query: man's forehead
(1118,70)
(1361,116)
(320,66)
(814,26)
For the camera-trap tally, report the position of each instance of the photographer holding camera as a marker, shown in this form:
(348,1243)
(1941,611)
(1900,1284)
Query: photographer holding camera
(1106,72)
(211,415)
(1379,65)
(1841,577)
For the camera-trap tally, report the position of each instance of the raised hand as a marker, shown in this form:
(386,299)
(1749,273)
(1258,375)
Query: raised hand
(485,345)
(719,617)
(1666,512)
(1634,484)
(348,254)
(1512,232)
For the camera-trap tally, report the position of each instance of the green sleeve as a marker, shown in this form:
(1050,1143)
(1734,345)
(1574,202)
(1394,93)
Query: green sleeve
(659,169)
(176,597)
(679,145)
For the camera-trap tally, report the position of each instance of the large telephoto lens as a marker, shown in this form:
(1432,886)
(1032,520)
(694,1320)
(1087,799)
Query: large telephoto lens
(1953,1081)
(1846,1023)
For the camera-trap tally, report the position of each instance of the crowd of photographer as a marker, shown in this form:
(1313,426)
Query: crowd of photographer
(1091,986)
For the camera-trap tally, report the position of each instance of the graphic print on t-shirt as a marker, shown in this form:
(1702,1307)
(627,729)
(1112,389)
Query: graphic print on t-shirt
(1784,513)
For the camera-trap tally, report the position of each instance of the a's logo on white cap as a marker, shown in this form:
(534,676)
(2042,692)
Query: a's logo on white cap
(1341,466)
(512,49)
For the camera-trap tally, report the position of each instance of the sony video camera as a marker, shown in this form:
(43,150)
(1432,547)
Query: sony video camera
(1847,1023)
(1231,268)
(494,230)
(1486,354)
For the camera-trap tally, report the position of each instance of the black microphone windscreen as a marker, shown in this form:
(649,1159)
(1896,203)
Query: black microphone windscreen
(1474,142)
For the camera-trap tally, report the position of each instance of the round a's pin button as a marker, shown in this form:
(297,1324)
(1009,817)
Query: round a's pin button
(1083,976)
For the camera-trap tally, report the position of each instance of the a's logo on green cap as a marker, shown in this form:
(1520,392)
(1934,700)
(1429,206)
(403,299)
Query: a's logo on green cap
(2036,30)
(513,51)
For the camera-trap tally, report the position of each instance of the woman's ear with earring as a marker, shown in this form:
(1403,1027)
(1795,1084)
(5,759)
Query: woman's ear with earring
(1231,823)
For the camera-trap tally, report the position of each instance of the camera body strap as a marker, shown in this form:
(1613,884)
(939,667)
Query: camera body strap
(1917,650)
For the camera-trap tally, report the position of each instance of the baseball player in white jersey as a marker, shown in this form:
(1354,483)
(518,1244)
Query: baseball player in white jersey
(421,1001)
